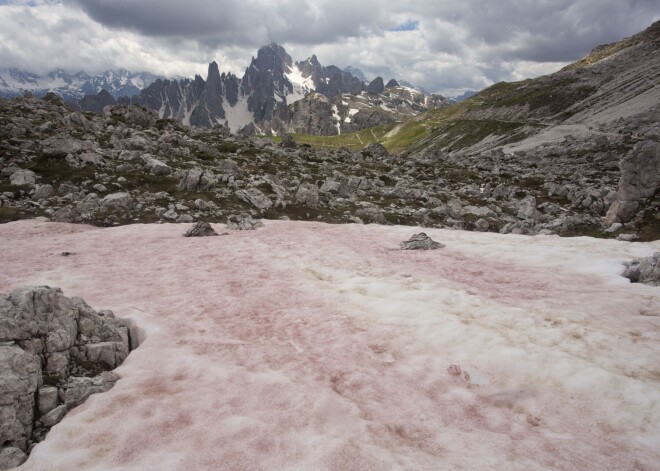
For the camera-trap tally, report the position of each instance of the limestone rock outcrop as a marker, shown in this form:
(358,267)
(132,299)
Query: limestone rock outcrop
(54,352)
(640,180)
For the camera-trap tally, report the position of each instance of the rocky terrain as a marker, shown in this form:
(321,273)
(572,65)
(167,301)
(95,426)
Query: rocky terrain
(321,116)
(54,353)
(128,166)
(572,153)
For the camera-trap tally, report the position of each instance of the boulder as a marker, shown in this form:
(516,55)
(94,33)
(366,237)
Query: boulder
(23,178)
(61,146)
(644,270)
(43,192)
(421,242)
(40,326)
(201,229)
(243,222)
(308,194)
(640,179)
(77,390)
(121,201)
(196,179)
(11,457)
(254,197)
(156,167)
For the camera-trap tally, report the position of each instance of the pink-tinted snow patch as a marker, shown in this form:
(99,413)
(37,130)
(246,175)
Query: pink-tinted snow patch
(308,346)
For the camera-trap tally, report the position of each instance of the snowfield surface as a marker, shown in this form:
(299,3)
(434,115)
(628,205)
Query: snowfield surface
(304,346)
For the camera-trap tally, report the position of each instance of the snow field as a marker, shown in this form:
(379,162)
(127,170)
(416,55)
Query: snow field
(312,346)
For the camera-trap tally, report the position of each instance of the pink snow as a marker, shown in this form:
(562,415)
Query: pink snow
(306,346)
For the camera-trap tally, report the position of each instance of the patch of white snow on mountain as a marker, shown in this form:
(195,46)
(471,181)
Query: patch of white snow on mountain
(336,118)
(238,116)
(301,85)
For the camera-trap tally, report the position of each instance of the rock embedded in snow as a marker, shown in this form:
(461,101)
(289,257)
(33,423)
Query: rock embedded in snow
(11,457)
(201,229)
(48,338)
(644,270)
(421,242)
(243,222)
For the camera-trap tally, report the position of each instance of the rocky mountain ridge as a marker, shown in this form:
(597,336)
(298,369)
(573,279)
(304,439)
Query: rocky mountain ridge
(261,101)
(117,83)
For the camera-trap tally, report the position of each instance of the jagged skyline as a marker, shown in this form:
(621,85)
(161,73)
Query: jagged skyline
(442,46)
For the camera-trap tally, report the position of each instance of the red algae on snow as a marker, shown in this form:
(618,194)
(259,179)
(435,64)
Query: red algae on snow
(309,346)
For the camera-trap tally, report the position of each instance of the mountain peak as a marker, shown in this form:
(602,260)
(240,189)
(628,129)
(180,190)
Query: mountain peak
(376,86)
(214,73)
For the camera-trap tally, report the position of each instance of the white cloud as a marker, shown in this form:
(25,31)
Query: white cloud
(455,45)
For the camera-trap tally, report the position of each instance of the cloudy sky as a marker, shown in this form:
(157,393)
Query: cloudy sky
(445,46)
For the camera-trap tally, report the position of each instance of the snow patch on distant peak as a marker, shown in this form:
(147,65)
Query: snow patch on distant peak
(336,118)
(301,85)
(238,116)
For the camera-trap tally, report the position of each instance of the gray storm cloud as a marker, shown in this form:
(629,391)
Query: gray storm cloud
(449,46)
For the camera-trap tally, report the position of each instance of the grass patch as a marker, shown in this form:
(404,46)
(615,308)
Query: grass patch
(8,214)
(55,170)
(354,140)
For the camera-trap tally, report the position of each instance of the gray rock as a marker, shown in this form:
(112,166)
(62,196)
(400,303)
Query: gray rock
(47,399)
(77,390)
(640,179)
(43,191)
(20,376)
(85,158)
(371,214)
(11,457)
(54,416)
(171,214)
(254,197)
(61,146)
(156,167)
(196,179)
(421,242)
(376,150)
(482,225)
(307,194)
(23,178)
(201,229)
(121,201)
(243,222)
(40,326)
(644,270)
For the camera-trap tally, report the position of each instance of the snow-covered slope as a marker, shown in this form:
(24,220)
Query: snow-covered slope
(302,85)
(119,83)
(309,346)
